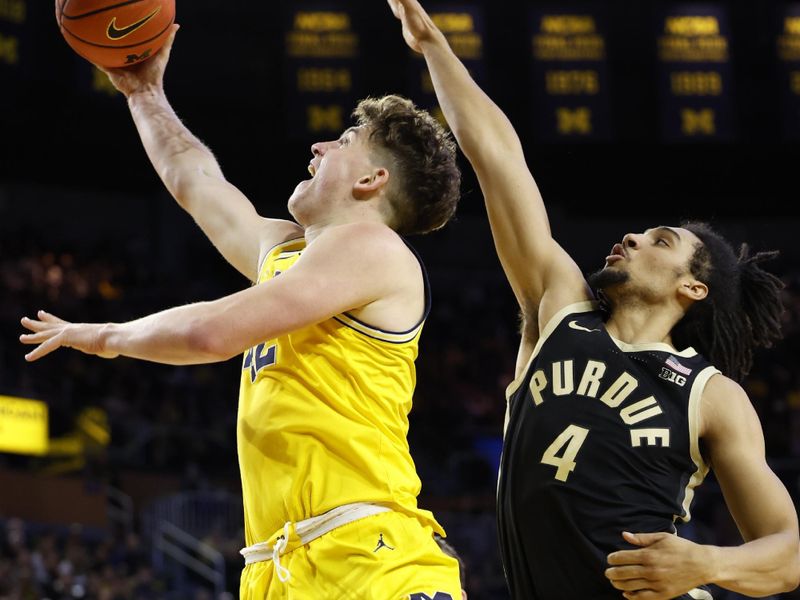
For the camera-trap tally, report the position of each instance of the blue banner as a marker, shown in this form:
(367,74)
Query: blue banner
(695,79)
(14,46)
(570,73)
(464,27)
(788,50)
(323,58)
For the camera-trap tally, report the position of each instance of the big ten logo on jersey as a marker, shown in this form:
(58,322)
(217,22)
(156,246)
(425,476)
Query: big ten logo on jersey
(436,596)
(672,376)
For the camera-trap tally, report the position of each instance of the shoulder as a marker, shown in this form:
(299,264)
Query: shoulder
(723,392)
(360,232)
(363,243)
(725,407)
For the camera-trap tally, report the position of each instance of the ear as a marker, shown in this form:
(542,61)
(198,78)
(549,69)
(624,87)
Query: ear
(370,184)
(692,289)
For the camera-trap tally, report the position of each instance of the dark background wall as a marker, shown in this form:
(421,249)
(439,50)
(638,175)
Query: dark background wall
(227,81)
(77,192)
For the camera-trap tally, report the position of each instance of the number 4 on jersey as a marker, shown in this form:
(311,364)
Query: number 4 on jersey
(572,437)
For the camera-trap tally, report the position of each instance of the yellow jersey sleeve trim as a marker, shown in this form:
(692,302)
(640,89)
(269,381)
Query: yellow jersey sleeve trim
(401,337)
(394,337)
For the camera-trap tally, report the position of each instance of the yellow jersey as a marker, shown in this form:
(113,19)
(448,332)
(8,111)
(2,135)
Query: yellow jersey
(323,418)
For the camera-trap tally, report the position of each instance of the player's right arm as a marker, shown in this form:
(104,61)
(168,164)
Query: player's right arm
(192,174)
(768,561)
(543,276)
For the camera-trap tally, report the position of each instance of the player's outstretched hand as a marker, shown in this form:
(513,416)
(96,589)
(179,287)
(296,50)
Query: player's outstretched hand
(663,566)
(148,74)
(418,27)
(51,333)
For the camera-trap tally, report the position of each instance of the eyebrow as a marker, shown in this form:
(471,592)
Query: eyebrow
(353,130)
(665,229)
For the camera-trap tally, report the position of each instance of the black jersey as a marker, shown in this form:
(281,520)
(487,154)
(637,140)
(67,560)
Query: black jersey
(601,437)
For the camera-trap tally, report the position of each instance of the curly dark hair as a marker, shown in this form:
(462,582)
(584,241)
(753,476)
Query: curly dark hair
(425,195)
(743,308)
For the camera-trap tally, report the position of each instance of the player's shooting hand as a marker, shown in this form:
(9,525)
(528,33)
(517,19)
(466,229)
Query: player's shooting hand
(146,75)
(663,566)
(51,333)
(418,27)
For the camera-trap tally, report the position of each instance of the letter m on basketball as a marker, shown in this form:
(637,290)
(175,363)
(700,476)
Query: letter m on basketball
(436,596)
(134,58)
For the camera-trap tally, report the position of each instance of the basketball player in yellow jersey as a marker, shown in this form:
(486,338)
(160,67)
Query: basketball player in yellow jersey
(329,336)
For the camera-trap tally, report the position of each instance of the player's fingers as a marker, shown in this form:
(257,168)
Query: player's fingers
(643,539)
(49,318)
(642,595)
(395,7)
(167,48)
(408,4)
(631,585)
(37,338)
(32,324)
(625,557)
(626,572)
(35,325)
(43,350)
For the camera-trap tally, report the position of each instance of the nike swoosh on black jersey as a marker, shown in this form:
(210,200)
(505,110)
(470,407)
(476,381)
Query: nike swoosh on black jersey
(574,325)
(117,34)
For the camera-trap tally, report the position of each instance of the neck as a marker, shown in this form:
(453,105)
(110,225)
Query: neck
(318,226)
(642,324)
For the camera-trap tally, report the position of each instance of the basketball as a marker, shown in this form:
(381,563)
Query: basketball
(115,34)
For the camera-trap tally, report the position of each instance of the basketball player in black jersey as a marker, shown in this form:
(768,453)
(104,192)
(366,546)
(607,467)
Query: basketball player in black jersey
(620,407)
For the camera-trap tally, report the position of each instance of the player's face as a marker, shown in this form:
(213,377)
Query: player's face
(652,262)
(335,167)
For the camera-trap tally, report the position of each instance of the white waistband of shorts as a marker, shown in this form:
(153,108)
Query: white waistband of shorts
(311,529)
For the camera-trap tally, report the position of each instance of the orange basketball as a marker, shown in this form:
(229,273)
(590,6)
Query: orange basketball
(115,33)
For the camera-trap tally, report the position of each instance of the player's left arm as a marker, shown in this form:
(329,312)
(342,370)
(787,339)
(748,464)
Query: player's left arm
(333,275)
(768,562)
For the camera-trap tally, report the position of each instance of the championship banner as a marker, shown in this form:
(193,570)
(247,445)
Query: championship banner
(788,49)
(464,27)
(695,79)
(322,69)
(570,73)
(23,426)
(14,17)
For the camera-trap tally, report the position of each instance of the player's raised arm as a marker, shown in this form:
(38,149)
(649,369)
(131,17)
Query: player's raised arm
(191,173)
(534,263)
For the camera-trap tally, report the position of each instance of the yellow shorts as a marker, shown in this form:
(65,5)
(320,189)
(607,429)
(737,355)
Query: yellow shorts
(388,556)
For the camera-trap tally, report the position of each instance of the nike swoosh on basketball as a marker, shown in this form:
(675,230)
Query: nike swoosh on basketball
(117,34)
(574,325)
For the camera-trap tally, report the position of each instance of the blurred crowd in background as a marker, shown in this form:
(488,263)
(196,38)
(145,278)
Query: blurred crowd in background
(180,421)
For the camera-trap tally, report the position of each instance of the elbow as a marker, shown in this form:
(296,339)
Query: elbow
(177,183)
(793,574)
(790,574)
(209,343)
